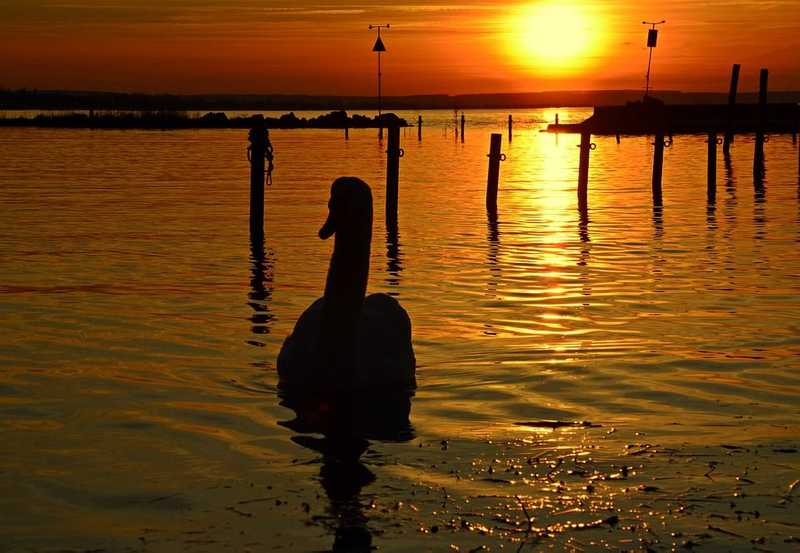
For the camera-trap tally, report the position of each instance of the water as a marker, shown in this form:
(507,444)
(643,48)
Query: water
(138,403)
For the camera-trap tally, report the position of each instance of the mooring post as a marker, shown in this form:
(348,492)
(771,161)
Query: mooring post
(711,191)
(726,145)
(758,154)
(419,128)
(583,170)
(618,138)
(393,155)
(462,127)
(346,132)
(256,154)
(495,157)
(510,127)
(658,166)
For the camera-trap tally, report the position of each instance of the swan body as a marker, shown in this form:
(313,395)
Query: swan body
(347,340)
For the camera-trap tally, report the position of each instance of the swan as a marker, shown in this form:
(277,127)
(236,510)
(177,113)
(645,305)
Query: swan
(346,340)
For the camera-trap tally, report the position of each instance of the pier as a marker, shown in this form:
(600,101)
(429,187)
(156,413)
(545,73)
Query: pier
(651,117)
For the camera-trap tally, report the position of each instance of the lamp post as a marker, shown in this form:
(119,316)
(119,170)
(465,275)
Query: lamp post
(379,47)
(652,39)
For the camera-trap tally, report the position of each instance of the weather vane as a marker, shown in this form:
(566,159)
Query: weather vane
(379,47)
(652,39)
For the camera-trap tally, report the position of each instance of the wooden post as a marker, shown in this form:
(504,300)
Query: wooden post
(256,154)
(419,128)
(393,155)
(462,127)
(495,157)
(510,127)
(583,171)
(711,191)
(726,145)
(346,132)
(658,166)
(618,138)
(758,154)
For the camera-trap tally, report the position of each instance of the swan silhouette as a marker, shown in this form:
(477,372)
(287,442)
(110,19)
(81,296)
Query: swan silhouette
(345,341)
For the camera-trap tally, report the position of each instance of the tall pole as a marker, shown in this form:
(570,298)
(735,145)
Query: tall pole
(652,39)
(726,145)
(379,47)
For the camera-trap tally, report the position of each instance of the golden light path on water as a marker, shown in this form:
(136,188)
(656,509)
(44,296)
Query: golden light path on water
(625,380)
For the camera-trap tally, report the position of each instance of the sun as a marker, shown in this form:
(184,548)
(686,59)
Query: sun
(553,36)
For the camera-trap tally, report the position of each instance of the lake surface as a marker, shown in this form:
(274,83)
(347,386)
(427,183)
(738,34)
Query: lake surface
(140,328)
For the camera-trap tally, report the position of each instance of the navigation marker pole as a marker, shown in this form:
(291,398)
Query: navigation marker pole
(379,47)
(652,39)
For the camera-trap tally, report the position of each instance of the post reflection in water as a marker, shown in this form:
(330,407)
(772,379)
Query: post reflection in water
(261,277)
(730,189)
(658,244)
(492,261)
(394,264)
(759,199)
(347,423)
(583,259)
(493,241)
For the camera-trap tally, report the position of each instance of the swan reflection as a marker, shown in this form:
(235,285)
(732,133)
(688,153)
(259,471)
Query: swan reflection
(346,423)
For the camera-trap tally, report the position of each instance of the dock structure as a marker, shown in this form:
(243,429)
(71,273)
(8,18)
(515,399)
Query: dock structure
(651,117)
(646,118)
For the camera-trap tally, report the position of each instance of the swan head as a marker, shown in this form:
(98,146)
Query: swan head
(349,209)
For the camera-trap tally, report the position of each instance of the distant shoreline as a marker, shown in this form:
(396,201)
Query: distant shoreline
(175,120)
(24,99)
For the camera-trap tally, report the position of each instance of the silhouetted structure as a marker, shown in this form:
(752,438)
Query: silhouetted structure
(257,153)
(711,173)
(658,167)
(393,154)
(762,124)
(583,170)
(495,157)
(731,105)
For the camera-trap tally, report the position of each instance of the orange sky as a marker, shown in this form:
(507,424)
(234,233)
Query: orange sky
(434,46)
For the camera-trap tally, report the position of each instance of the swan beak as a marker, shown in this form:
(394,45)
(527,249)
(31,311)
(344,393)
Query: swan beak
(328,228)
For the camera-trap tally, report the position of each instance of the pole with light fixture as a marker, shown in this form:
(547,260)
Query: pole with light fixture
(652,39)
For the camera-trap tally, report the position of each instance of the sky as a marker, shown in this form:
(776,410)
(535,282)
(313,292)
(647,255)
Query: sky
(324,47)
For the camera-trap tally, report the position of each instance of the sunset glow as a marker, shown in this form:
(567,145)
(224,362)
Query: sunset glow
(444,47)
(554,37)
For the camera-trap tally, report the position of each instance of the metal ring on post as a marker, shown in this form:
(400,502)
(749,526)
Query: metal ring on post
(668,143)
(719,141)
(766,138)
(502,157)
(401,152)
(592,146)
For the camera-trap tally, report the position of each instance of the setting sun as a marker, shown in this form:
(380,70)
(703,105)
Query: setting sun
(553,36)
